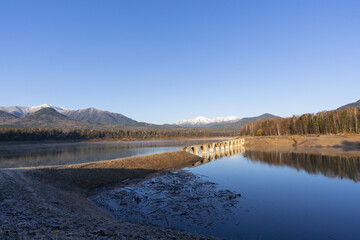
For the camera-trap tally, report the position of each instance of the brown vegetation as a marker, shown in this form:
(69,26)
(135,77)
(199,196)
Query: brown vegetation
(331,145)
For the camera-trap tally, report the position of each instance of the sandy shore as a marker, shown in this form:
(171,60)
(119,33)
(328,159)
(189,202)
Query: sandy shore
(51,202)
(332,145)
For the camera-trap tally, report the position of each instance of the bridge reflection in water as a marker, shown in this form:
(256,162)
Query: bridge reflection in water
(215,150)
(312,163)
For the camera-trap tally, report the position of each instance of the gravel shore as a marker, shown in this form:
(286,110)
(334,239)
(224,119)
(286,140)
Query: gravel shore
(51,202)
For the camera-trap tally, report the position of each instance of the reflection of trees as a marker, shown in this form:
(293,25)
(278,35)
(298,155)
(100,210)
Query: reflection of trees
(329,166)
(13,155)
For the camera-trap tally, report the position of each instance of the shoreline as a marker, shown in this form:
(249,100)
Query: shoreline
(52,202)
(332,145)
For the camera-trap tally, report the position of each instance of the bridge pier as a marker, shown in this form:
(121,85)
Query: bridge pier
(195,150)
(211,147)
(211,156)
(217,149)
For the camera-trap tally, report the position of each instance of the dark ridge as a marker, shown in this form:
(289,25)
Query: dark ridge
(354,104)
(243,121)
(4,116)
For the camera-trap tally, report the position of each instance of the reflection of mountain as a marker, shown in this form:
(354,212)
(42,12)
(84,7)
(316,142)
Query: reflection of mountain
(329,166)
(25,155)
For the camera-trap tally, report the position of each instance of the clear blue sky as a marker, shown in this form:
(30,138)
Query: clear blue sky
(164,61)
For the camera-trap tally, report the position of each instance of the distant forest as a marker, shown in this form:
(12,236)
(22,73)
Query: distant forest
(20,134)
(328,122)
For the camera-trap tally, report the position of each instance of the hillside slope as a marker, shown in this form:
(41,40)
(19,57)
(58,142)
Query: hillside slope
(99,117)
(243,121)
(4,116)
(354,104)
(45,118)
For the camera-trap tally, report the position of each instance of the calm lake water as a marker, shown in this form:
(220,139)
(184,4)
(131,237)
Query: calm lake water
(40,154)
(284,196)
(288,196)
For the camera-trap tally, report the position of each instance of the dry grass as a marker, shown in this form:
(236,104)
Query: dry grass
(340,145)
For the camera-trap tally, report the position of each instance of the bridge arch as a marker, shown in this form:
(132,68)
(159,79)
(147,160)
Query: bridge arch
(217,149)
(203,149)
(195,150)
(211,147)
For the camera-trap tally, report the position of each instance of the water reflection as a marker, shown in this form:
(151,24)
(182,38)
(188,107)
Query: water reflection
(329,166)
(277,203)
(282,203)
(38,154)
(312,163)
(220,153)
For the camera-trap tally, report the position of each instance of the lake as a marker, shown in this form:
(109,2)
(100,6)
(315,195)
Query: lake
(283,196)
(20,154)
(242,195)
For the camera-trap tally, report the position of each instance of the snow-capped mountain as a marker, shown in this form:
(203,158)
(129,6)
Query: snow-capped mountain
(89,115)
(23,111)
(206,122)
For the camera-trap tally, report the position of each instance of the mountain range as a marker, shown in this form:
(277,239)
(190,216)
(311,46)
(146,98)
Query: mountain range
(238,124)
(49,116)
(206,122)
(23,111)
(90,115)
(44,118)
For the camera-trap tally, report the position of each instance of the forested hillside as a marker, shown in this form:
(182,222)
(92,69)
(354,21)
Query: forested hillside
(328,122)
(11,134)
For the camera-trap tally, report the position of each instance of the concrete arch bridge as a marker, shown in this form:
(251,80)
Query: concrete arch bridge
(217,149)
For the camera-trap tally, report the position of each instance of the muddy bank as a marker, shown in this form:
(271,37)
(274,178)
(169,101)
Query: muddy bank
(51,202)
(88,176)
(176,199)
(333,145)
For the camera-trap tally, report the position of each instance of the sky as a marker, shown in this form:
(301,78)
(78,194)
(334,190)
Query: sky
(164,61)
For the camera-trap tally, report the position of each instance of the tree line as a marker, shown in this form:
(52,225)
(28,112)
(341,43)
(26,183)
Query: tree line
(327,122)
(23,134)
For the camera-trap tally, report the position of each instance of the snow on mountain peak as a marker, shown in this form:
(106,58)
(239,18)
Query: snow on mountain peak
(22,111)
(202,121)
(37,108)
